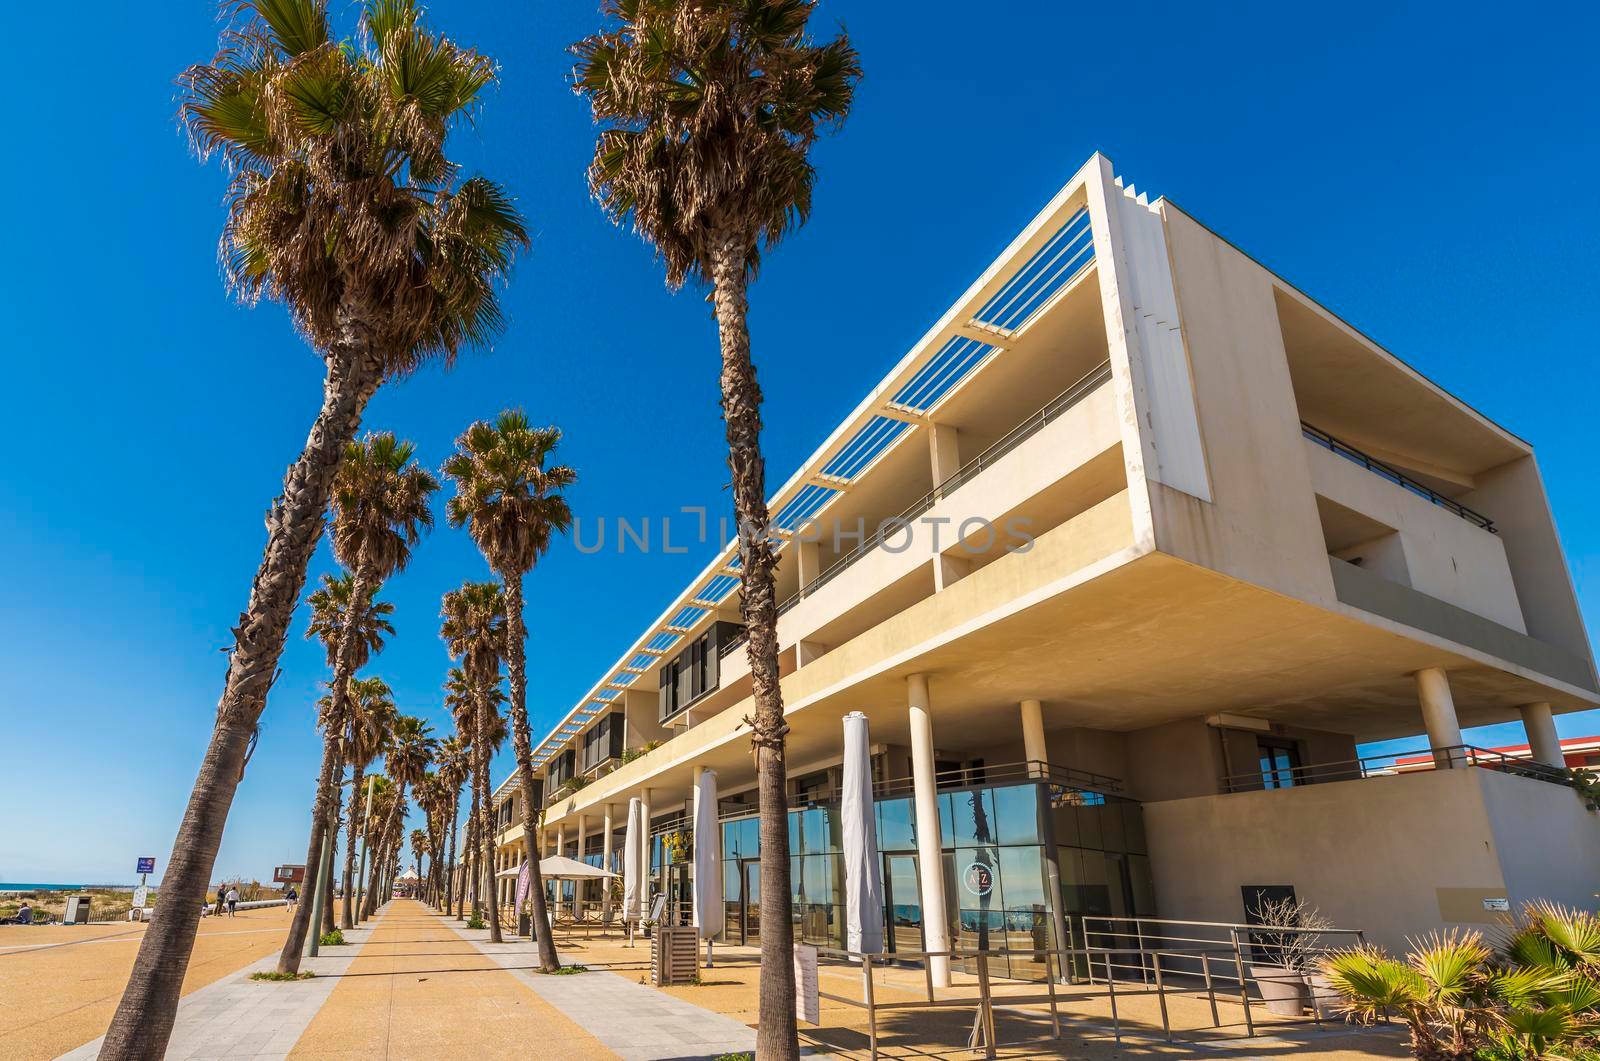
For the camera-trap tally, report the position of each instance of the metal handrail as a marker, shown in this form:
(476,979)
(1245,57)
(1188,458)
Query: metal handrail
(1002,773)
(1387,765)
(1034,423)
(1394,475)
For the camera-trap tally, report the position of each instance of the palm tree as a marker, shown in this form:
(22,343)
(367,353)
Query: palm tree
(512,505)
(474,631)
(410,752)
(371,712)
(331,615)
(421,845)
(452,773)
(345,207)
(708,109)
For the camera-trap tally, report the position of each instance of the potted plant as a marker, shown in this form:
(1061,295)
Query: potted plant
(1284,946)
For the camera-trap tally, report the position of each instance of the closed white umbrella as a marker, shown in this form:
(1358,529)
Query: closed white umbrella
(632,846)
(708,908)
(863,882)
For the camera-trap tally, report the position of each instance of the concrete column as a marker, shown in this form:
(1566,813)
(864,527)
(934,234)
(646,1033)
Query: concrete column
(1033,746)
(930,858)
(561,849)
(644,851)
(1543,742)
(944,451)
(808,560)
(605,863)
(578,886)
(1439,715)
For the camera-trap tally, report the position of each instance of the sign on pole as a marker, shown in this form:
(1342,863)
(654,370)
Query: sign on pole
(807,1002)
(141,897)
(146,865)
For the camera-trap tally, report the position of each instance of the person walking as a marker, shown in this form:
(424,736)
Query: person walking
(292,896)
(233,901)
(222,898)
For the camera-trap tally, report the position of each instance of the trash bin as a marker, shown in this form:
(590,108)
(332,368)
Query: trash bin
(524,924)
(77,912)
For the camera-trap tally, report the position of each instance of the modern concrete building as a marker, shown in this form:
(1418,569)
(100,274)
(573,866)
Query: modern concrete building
(1124,561)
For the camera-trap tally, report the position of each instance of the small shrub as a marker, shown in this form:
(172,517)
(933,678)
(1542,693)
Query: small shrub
(276,977)
(744,1055)
(332,939)
(569,970)
(476,922)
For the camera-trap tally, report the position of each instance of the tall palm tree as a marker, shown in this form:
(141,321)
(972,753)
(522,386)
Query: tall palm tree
(374,819)
(708,110)
(371,712)
(452,773)
(432,799)
(474,631)
(420,846)
(410,753)
(332,613)
(513,504)
(345,207)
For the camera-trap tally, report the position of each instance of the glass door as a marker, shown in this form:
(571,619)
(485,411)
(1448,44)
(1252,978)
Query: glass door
(902,896)
(750,900)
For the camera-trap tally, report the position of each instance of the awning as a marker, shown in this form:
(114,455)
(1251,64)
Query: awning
(560,867)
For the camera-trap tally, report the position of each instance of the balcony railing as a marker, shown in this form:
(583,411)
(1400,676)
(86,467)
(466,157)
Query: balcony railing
(1409,762)
(1394,475)
(1004,774)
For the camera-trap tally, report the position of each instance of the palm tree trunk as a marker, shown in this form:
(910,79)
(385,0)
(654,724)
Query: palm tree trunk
(485,827)
(451,885)
(371,906)
(328,922)
(143,1021)
(289,960)
(522,740)
(776,1038)
(474,846)
(353,826)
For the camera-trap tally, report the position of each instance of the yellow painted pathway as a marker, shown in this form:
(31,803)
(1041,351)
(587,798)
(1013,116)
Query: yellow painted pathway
(418,990)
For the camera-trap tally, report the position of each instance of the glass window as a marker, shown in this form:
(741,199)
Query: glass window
(1133,827)
(966,818)
(1016,813)
(1280,762)
(977,872)
(1022,880)
(1089,815)
(1064,819)
(896,831)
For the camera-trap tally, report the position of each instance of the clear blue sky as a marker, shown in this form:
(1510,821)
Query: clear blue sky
(1426,171)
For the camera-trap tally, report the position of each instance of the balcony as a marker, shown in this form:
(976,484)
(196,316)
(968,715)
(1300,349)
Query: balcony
(1272,776)
(1394,475)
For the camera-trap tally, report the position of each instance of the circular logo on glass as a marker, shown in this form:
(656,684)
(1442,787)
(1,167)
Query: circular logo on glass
(978,879)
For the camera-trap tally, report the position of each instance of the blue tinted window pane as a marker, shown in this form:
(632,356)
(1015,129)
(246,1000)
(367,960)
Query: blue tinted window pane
(896,831)
(977,873)
(1022,881)
(1016,811)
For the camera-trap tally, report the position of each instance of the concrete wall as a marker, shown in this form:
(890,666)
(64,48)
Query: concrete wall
(1445,556)
(1262,525)
(1393,856)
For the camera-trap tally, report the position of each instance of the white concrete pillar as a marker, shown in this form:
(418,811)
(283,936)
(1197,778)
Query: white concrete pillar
(1543,742)
(561,849)
(808,560)
(1033,746)
(930,857)
(644,851)
(944,451)
(605,863)
(1439,715)
(578,886)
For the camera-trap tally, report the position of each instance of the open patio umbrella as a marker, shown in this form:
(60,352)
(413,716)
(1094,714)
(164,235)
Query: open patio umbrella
(863,884)
(560,867)
(708,908)
(632,846)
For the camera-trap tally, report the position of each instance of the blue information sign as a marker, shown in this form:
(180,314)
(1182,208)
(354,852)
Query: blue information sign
(146,865)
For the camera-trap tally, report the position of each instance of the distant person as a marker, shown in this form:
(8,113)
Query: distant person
(25,913)
(222,898)
(292,895)
(233,901)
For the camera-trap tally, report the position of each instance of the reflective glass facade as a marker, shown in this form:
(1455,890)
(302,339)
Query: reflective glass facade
(996,840)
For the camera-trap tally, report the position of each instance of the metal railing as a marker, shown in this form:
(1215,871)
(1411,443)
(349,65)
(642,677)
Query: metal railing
(1394,475)
(1387,765)
(1003,774)
(1217,969)
(1049,413)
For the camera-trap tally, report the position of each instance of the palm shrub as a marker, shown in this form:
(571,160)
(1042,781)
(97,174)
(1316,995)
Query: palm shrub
(708,110)
(510,495)
(1538,996)
(345,207)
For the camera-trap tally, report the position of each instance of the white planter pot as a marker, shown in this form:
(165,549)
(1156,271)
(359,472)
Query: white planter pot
(1283,989)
